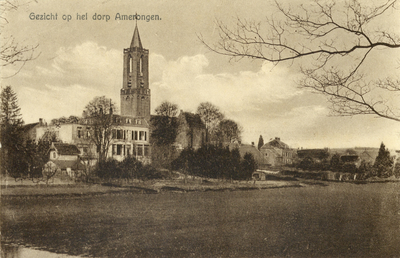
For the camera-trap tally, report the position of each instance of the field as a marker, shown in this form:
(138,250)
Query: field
(338,220)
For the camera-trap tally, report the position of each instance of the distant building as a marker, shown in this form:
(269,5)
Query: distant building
(277,153)
(249,148)
(64,156)
(318,155)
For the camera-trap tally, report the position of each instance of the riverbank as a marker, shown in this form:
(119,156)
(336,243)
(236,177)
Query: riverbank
(136,187)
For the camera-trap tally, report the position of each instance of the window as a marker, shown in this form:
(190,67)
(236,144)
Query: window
(138,121)
(141,66)
(119,149)
(136,135)
(120,134)
(87,132)
(114,134)
(140,150)
(54,155)
(80,135)
(142,135)
(130,64)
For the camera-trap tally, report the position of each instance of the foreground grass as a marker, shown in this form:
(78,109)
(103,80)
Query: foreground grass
(339,220)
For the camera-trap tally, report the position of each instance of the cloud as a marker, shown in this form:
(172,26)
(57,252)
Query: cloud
(183,81)
(87,64)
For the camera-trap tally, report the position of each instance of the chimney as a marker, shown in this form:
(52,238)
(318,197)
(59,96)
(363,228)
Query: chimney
(40,121)
(252,143)
(277,138)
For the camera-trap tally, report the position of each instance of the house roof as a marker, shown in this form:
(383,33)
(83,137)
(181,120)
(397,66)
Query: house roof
(275,143)
(65,149)
(349,158)
(30,126)
(313,153)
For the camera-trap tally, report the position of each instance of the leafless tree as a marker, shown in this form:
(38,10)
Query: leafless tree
(167,109)
(333,39)
(229,131)
(211,117)
(12,52)
(99,113)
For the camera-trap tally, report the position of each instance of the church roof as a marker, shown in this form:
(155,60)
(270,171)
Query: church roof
(136,39)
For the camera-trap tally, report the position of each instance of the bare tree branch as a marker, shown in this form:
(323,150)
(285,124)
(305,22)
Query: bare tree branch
(11,52)
(325,32)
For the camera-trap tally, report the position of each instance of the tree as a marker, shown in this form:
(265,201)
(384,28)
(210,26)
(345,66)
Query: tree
(164,129)
(229,131)
(10,51)
(383,162)
(248,166)
(335,41)
(260,142)
(11,139)
(100,113)
(211,117)
(336,163)
(167,109)
(164,126)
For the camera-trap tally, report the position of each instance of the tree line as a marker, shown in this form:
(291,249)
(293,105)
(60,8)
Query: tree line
(23,158)
(383,166)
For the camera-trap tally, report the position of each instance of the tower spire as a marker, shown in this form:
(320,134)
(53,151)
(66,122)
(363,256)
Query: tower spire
(136,42)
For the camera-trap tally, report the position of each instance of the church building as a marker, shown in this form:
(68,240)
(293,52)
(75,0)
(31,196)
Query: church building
(130,129)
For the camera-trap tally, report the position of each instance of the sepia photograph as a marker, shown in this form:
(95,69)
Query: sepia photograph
(261,128)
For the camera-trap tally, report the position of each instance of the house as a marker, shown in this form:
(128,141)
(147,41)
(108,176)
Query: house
(248,148)
(318,155)
(29,130)
(277,153)
(65,157)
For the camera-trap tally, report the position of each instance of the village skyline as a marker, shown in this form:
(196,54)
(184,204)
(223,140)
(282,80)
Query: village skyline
(81,59)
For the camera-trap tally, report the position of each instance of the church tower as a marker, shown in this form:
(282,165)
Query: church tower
(135,92)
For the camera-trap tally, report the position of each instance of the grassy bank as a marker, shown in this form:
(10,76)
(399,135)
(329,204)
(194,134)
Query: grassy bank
(153,186)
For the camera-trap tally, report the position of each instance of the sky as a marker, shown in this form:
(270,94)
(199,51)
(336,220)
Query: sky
(77,60)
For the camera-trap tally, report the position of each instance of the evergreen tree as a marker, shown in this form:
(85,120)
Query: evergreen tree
(260,142)
(383,162)
(11,139)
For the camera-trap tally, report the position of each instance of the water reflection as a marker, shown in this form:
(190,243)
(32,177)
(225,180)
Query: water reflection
(15,251)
